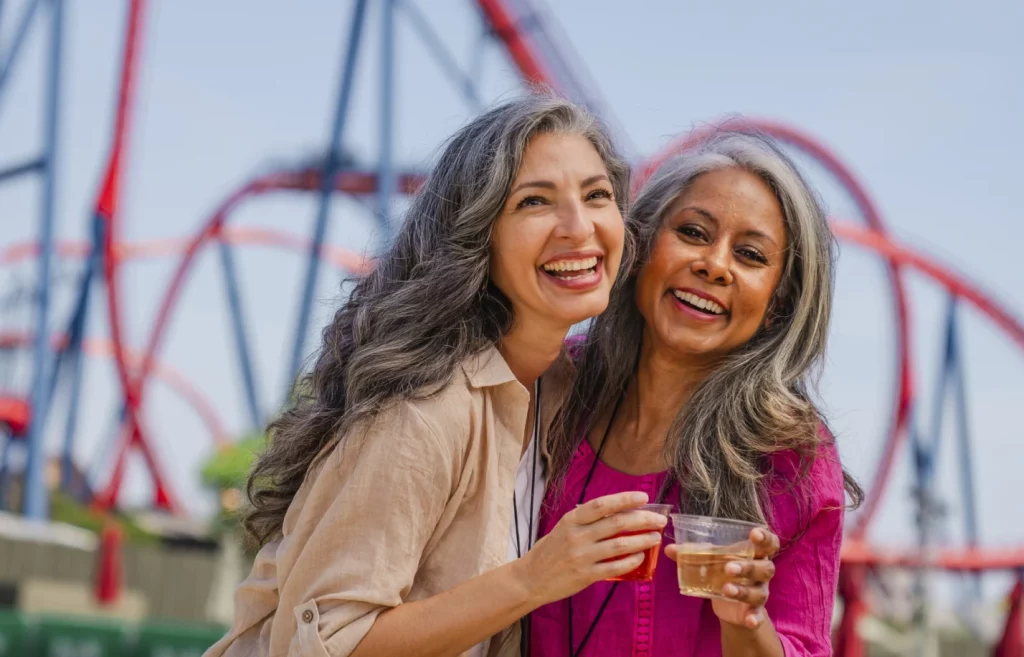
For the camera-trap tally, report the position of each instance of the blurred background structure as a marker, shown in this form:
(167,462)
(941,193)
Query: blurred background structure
(143,346)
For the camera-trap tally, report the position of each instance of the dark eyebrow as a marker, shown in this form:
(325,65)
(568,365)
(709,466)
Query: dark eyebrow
(547,184)
(701,211)
(543,184)
(710,217)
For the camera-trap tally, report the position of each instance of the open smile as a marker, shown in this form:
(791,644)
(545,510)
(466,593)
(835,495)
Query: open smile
(574,271)
(699,306)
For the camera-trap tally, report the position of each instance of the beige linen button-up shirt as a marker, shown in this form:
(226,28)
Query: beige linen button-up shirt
(411,505)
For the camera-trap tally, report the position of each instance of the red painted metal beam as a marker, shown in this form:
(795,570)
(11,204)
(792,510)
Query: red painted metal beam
(855,553)
(503,25)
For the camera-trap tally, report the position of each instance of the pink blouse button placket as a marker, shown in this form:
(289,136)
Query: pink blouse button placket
(644,619)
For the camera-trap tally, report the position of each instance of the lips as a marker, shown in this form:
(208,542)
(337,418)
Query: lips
(700,304)
(577,271)
(572,267)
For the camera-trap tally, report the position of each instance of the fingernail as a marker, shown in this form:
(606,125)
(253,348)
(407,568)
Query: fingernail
(758,535)
(733,568)
(730,591)
(639,498)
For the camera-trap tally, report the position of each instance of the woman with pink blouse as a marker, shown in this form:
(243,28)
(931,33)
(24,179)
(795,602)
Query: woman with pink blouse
(695,388)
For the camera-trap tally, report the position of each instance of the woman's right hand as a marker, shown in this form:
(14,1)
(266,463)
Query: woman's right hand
(580,549)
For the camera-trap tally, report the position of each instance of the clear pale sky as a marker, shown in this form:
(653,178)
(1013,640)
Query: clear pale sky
(922,100)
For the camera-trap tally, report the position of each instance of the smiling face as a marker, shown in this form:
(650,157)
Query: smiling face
(557,244)
(714,266)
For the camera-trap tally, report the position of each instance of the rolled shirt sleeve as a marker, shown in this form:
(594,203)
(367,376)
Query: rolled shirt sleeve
(370,515)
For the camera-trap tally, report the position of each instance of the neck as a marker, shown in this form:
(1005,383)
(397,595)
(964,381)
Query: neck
(661,387)
(529,349)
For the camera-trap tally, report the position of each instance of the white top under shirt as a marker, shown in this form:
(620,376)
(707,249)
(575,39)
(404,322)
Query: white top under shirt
(529,515)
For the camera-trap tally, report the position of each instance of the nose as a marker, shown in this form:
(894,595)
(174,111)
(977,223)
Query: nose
(714,265)
(573,223)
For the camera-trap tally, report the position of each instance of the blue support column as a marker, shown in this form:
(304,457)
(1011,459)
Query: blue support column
(330,168)
(7,58)
(5,468)
(227,261)
(72,354)
(963,430)
(463,81)
(35,485)
(385,172)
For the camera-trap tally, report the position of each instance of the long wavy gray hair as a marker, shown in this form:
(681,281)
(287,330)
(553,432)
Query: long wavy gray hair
(757,401)
(426,306)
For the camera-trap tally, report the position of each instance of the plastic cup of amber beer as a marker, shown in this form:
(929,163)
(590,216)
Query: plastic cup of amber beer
(645,571)
(705,545)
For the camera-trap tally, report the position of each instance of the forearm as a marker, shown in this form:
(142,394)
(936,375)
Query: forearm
(454,621)
(739,641)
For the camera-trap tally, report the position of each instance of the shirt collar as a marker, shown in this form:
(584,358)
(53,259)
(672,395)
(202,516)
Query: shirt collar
(487,369)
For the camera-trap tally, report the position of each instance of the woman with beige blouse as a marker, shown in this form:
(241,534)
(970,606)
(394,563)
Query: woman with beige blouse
(385,501)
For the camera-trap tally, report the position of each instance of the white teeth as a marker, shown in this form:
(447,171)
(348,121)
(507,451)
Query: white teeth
(571,265)
(699,302)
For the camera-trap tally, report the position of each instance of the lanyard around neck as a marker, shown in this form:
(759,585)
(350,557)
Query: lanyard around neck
(534,444)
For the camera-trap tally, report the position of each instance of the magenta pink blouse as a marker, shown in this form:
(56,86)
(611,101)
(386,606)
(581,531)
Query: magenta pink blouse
(652,619)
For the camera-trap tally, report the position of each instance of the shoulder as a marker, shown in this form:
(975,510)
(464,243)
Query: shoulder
(819,467)
(800,485)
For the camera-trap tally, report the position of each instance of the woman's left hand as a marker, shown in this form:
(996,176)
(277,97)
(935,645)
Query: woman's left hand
(747,586)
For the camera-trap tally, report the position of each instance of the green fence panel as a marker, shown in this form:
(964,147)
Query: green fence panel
(166,640)
(67,637)
(14,634)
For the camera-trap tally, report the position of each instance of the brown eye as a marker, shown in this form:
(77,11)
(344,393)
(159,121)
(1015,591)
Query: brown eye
(691,231)
(599,193)
(530,201)
(751,254)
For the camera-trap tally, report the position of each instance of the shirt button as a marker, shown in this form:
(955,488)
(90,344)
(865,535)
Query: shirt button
(644,621)
(307,616)
(645,588)
(645,605)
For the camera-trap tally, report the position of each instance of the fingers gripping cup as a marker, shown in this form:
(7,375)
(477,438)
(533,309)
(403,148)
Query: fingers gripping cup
(705,545)
(645,571)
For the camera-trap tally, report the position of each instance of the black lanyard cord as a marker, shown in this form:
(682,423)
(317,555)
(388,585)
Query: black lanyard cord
(524,622)
(583,493)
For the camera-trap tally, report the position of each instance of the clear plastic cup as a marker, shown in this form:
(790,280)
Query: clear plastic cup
(705,545)
(645,571)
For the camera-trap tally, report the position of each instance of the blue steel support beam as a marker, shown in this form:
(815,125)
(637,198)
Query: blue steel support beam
(22,169)
(463,81)
(227,261)
(72,354)
(35,485)
(385,173)
(7,58)
(963,430)
(327,187)
(5,467)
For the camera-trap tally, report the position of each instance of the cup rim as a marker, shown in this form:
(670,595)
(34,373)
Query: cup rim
(718,521)
(656,508)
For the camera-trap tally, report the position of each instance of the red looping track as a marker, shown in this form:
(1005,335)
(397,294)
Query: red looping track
(15,411)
